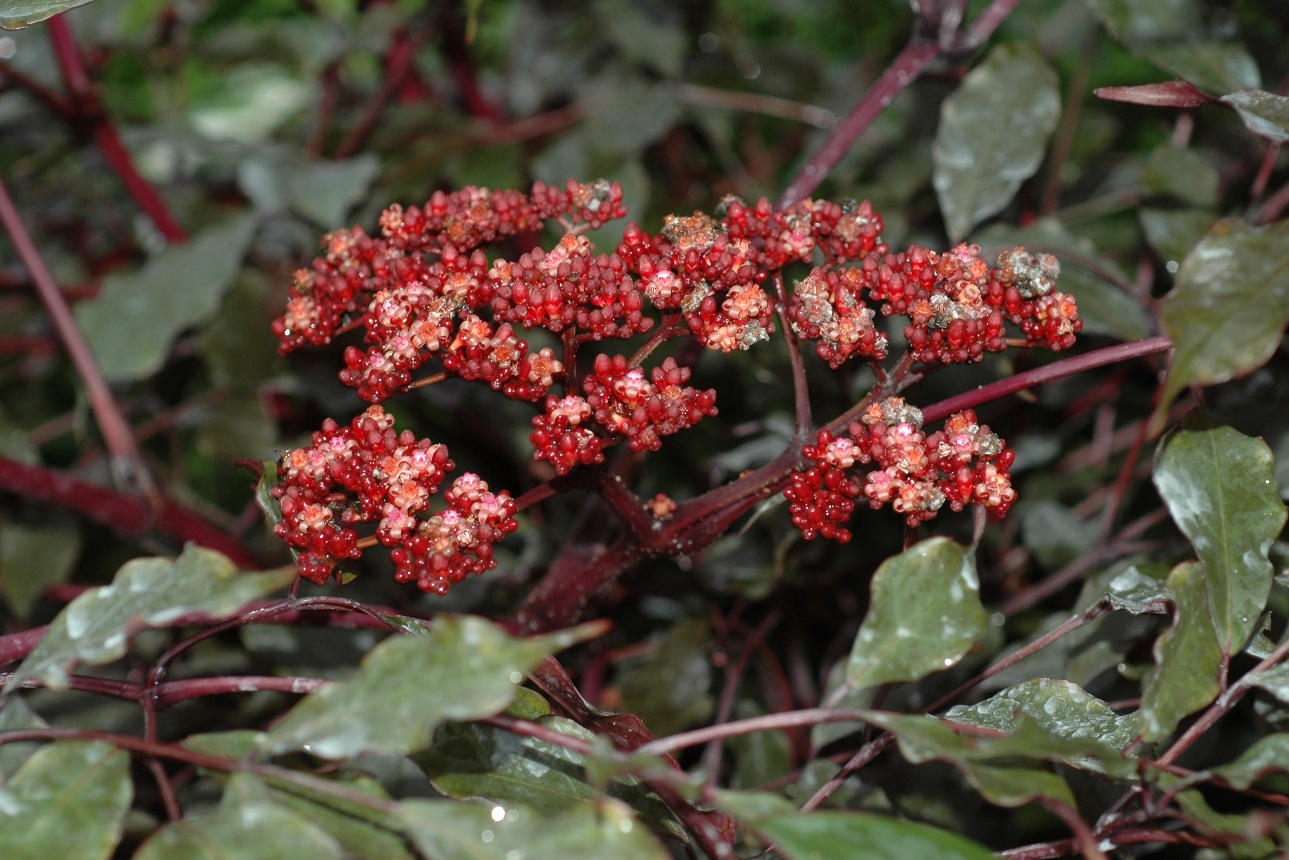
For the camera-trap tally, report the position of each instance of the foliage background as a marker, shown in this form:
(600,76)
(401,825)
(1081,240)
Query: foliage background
(264,124)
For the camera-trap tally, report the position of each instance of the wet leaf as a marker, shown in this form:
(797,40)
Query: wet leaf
(1139,593)
(1220,487)
(1181,173)
(1267,756)
(17,14)
(361,831)
(1187,658)
(671,688)
(989,764)
(325,191)
(992,134)
(1061,709)
(924,615)
(1179,94)
(248,825)
(864,836)
(1262,112)
(1228,307)
(463,668)
(147,592)
(136,316)
(473,831)
(68,800)
(33,559)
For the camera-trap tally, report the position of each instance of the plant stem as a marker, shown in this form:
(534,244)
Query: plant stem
(769,722)
(800,387)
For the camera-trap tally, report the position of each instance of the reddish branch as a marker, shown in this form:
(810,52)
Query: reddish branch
(87,110)
(128,514)
(399,62)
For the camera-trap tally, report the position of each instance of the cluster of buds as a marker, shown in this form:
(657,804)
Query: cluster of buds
(917,475)
(826,308)
(366,472)
(957,305)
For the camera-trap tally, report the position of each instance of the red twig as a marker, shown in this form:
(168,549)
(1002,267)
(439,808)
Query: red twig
(457,53)
(398,63)
(127,464)
(128,514)
(89,109)
(800,388)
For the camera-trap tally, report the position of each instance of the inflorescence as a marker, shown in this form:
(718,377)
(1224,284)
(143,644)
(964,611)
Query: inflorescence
(424,290)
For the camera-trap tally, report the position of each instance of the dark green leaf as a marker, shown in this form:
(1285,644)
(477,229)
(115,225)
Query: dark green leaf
(325,191)
(1181,173)
(987,763)
(1187,658)
(1263,113)
(1229,306)
(1054,535)
(1139,593)
(1062,710)
(1220,487)
(924,614)
(238,347)
(1172,233)
(462,669)
(471,831)
(1275,681)
(1146,20)
(1269,755)
(68,800)
(362,832)
(32,559)
(135,317)
(17,14)
(236,744)
(864,836)
(657,44)
(992,135)
(1218,67)
(146,592)
(248,825)
(671,688)
(1245,845)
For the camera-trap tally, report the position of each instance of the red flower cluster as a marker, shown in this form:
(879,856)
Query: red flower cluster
(957,304)
(367,472)
(916,474)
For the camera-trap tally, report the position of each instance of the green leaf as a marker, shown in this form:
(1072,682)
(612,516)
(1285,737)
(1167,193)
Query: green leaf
(1262,112)
(472,760)
(992,134)
(17,715)
(988,763)
(33,559)
(1220,487)
(671,688)
(1275,681)
(924,615)
(1139,593)
(1188,657)
(1171,233)
(237,345)
(1228,307)
(17,14)
(1267,756)
(661,45)
(864,836)
(361,831)
(146,592)
(752,807)
(248,825)
(472,831)
(1054,535)
(1064,711)
(1146,20)
(249,102)
(1181,173)
(1218,67)
(325,191)
(464,668)
(235,429)
(68,800)
(136,316)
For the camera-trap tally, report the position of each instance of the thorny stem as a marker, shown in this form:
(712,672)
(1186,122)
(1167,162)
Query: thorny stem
(127,463)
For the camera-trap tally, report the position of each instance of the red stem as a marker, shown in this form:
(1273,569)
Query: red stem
(398,63)
(128,514)
(89,109)
(127,462)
